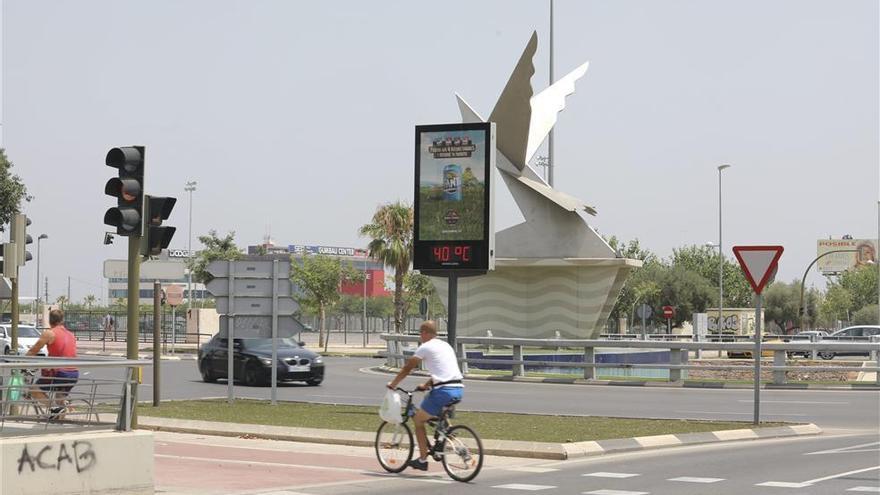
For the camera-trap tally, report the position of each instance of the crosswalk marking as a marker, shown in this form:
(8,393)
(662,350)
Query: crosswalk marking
(690,479)
(603,474)
(866,489)
(782,484)
(531,469)
(522,486)
(615,492)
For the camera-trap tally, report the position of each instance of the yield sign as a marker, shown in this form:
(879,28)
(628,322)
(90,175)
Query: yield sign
(758,263)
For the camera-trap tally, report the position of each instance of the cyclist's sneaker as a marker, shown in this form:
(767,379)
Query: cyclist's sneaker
(418,464)
(57,412)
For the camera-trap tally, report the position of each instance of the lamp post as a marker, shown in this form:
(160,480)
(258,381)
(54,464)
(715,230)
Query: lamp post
(37,300)
(801,308)
(364,321)
(190,187)
(720,254)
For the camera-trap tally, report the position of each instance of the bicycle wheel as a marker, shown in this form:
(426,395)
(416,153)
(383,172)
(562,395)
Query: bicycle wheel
(462,453)
(394,446)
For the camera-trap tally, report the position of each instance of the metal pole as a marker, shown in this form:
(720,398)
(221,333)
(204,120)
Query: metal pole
(364,318)
(274,332)
(134,277)
(68,290)
(14,326)
(720,258)
(37,300)
(550,161)
(877,262)
(190,187)
(453,309)
(174,329)
(157,351)
(230,334)
(757,357)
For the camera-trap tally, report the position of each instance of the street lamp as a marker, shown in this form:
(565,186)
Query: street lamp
(37,300)
(190,187)
(801,308)
(720,253)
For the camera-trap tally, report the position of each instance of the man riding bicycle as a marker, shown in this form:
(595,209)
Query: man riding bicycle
(445,384)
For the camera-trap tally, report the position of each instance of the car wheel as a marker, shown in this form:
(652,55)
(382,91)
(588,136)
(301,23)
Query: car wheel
(826,355)
(314,382)
(207,376)
(7,351)
(252,375)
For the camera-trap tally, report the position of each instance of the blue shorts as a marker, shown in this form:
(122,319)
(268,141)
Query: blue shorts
(59,381)
(440,397)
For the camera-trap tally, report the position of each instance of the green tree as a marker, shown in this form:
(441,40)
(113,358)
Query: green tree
(12,191)
(861,282)
(89,300)
(640,281)
(866,316)
(391,231)
(216,248)
(836,306)
(704,261)
(416,287)
(781,304)
(61,301)
(686,291)
(318,278)
(380,306)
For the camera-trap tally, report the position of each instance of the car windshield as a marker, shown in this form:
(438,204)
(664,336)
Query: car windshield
(28,332)
(267,343)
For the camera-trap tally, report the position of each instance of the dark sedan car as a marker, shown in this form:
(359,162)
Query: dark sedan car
(252,361)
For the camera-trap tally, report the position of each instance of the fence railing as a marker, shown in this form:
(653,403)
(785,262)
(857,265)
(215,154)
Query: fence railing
(30,401)
(679,354)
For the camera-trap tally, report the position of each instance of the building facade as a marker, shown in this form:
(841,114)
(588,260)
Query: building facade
(169,268)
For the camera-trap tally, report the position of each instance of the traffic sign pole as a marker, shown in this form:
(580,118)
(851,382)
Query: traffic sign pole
(230,333)
(757,401)
(274,332)
(157,351)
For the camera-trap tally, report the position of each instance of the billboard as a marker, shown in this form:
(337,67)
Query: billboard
(850,253)
(453,223)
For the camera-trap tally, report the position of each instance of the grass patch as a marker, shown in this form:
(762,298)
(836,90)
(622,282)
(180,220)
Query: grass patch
(498,426)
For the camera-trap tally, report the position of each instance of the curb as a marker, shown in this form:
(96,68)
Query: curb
(636,383)
(508,448)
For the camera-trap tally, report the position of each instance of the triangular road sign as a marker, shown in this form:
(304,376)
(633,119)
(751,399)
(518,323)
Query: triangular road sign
(758,263)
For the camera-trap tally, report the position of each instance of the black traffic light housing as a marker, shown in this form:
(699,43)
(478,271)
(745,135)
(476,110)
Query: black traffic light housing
(18,235)
(157,237)
(128,188)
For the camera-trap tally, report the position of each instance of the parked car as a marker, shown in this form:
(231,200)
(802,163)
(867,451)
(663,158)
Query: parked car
(860,333)
(806,336)
(252,361)
(27,336)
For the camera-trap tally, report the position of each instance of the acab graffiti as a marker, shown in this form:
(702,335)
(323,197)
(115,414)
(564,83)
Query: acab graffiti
(79,455)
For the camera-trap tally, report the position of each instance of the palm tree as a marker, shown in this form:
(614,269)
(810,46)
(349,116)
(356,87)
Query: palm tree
(61,301)
(89,300)
(391,231)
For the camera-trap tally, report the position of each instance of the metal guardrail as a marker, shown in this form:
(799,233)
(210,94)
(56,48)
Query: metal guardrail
(679,354)
(91,403)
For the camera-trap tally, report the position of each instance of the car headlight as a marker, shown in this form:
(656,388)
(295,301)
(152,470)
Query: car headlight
(266,361)
(318,360)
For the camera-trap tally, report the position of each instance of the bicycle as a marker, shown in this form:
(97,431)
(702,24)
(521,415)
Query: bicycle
(458,447)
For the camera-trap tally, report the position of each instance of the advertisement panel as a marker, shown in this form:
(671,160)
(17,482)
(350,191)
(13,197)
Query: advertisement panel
(851,253)
(453,224)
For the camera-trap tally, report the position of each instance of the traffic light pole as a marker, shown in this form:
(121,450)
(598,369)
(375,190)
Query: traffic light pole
(134,277)
(157,329)
(14,309)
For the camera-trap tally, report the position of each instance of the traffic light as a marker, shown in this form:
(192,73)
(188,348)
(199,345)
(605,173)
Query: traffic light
(19,236)
(9,265)
(157,236)
(128,188)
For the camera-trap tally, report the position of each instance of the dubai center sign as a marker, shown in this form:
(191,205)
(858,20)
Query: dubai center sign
(454,225)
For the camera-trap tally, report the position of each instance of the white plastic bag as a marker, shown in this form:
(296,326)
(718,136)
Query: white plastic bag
(390,409)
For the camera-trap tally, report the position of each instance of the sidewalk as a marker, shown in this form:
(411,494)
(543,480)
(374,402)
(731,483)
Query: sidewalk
(507,448)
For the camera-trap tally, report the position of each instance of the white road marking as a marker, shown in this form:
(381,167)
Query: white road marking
(614,492)
(530,469)
(794,402)
(603,474)
(521,486)
(866,489)
(783,484)
(431,480)
(845,450)
(689,479)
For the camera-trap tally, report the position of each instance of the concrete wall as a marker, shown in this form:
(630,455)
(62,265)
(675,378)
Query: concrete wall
(77,463)
(204,321)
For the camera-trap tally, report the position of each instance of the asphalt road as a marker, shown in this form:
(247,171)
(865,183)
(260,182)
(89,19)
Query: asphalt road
(346,382)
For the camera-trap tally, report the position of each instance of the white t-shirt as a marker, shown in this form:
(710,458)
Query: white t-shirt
(440,360)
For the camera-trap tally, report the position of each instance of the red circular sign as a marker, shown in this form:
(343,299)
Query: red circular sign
(174,294)
(668,312)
